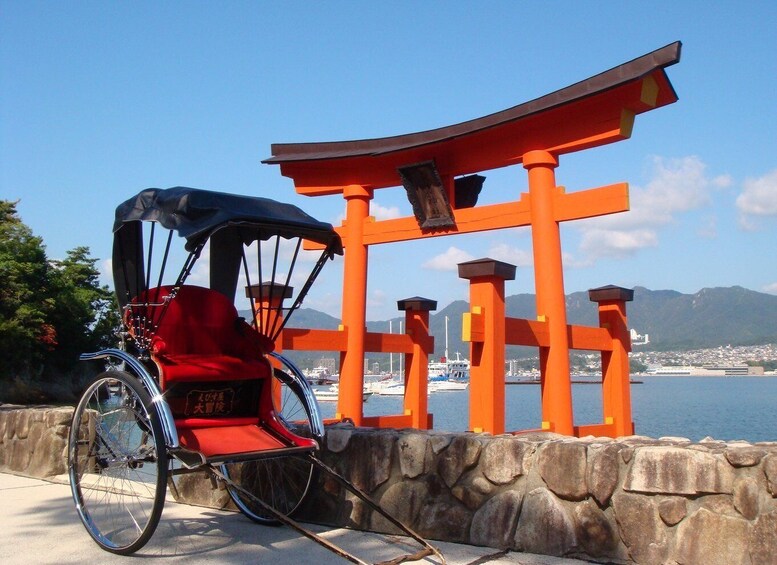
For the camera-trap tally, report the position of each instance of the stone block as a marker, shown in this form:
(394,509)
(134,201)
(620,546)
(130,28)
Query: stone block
(593,530)
(744,456)
(24,420)
(770,471)
(763,540)
(473,489)
(712,539)
(372,460)
(746,497)
(438,442)
(562,465)
(602,471)
(722,504)
(20,455)
(544,525)
(197,488)
(58,417)
(10,423)
(413,460)
(640,527)
(674,470)
(403,500)
(46,460)
(459,456)
(445,520)
(494,523)
(337,438)
(672,510)
(502,460)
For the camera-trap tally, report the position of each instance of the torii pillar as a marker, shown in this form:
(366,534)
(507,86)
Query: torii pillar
(549,286)
(357,210)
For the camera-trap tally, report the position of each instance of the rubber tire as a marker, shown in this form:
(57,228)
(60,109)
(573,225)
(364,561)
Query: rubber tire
(117,462)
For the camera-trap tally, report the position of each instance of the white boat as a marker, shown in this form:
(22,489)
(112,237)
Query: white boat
(447,373)
(392,389)
(332,393)
(444,386)
(320,376)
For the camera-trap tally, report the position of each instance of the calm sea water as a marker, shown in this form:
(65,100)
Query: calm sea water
(725,408)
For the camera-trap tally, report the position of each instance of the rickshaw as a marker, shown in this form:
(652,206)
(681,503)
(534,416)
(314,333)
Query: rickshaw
(193,385)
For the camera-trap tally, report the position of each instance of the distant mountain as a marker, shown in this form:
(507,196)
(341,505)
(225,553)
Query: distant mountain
(674,321)
(708,318)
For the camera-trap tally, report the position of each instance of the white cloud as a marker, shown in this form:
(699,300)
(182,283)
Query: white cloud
(512,255)
(616,244)
(200,274)
(758,199)
(448,261)
(722,181)
(377,211)
(384,212)
(677,186)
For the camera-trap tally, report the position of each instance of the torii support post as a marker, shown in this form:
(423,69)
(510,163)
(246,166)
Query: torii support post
(616,386)
(556,385)
(487,350)
(268,300)
(416,364)
(349,404)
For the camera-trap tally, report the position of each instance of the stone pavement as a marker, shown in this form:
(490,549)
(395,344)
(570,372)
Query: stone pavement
(39,524)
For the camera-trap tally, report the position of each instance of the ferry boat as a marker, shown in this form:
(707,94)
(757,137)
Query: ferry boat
(448,374)
(331,393)
(320,376)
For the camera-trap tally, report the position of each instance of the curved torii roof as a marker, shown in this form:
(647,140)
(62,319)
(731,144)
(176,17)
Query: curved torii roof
(592,112)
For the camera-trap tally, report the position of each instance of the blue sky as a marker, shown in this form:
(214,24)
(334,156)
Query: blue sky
(99,100)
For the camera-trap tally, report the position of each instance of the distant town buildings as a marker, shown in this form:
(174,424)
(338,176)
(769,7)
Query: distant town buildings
(730,361)
(715,361)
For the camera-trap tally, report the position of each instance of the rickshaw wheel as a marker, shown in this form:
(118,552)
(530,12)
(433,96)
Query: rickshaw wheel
(117,462)
(280,482)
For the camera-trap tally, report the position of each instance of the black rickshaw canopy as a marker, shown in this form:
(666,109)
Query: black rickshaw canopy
(230,221)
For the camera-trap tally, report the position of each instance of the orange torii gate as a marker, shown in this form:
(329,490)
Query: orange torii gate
(594,112)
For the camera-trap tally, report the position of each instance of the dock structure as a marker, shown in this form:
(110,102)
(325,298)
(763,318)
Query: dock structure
(439,170)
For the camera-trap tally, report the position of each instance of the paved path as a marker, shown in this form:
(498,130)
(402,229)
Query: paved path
(39,524)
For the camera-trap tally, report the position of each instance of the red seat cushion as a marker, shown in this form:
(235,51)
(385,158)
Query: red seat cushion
(190,367)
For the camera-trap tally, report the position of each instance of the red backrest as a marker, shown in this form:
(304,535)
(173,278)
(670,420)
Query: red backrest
(200,321)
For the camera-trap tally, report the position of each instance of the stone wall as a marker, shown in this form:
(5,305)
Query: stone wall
(631,500)
(33,441)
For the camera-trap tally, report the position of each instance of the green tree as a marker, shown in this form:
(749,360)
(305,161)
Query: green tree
(25,332)
(83,312)
(50,312)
